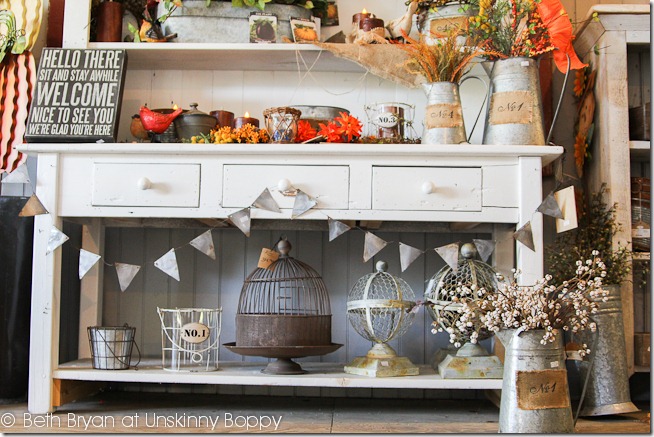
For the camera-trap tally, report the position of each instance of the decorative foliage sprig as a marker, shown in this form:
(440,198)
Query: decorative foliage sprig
(444,61)
(568,306)
(597,227)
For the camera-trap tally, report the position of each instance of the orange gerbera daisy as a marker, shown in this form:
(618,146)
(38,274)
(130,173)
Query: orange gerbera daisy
(331,132)
(304,131)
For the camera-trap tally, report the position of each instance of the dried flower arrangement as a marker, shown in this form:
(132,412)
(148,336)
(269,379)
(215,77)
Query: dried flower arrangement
(524,28)
(445,61)
(545,306)
(597,227)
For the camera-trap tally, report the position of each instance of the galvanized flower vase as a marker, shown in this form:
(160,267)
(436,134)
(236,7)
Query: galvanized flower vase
(444,115)
(608,379)
(515,110)
(535,395)
(444,19)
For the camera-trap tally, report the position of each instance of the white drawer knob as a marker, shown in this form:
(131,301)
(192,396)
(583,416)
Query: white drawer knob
(284,185)
(144,184)
(428,187)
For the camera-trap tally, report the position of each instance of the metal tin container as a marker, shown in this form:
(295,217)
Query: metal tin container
(608,383)
(535,395)
(319,114)
(221,23)
(194,122)
(515,111)
(441,21)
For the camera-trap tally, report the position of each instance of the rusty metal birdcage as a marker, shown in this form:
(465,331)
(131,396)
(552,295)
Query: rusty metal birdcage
(380,308)
(283,313)
(470,360)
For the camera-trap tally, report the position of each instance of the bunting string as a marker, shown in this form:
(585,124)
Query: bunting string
(551,206)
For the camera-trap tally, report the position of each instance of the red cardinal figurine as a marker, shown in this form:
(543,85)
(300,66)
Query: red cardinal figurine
(156,121)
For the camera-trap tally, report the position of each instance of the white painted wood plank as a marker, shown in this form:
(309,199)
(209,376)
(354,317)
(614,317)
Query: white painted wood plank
(319,375)
(91,285)
(155,287)
(76,30)
(46,292)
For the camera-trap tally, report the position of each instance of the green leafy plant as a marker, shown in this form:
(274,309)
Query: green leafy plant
(319,6)
(597,227)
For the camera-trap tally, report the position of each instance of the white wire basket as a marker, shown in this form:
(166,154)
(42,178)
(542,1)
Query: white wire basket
(190,339)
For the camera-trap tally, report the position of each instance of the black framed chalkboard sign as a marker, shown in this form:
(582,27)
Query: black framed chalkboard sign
(77,96)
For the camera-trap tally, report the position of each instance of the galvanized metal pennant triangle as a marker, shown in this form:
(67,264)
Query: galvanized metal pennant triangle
(336,228)
(32,207)
(86,261)
(266,201)
(303,203)
(484,247)
(450,254)
(204,243)
(408,254)
(372,246)
(18,176)
(558,172)
(56,239)
(525,236)
(126,274)
(550,207)
(241,219)
(168,264)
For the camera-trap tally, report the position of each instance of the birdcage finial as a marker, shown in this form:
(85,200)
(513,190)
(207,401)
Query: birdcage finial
(468,251)
(381,266)
(284,247)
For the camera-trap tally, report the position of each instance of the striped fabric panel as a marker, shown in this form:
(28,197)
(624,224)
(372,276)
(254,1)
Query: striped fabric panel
(17,79)
(29,14)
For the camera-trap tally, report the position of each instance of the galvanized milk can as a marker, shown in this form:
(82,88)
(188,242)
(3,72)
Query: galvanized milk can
(444,114)
(607,391)
(535,395)
(515,110)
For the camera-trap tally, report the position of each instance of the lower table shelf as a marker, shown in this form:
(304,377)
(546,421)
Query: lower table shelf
(242,373)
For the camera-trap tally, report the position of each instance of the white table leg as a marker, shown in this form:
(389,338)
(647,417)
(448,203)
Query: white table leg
(91,286)
(46,292)
(531,196)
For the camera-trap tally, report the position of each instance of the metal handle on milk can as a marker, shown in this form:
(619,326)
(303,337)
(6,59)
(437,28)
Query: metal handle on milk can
(481,108)
(558,106)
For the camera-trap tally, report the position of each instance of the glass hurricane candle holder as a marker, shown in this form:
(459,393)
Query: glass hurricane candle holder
(281,124)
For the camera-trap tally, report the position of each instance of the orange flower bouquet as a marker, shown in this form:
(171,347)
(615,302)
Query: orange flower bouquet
(525,28)
(343,129)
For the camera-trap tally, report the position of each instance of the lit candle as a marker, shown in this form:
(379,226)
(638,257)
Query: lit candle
(240,121)
(357,18)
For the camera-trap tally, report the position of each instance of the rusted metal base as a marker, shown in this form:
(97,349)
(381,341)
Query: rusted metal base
(380,362)
(469,362)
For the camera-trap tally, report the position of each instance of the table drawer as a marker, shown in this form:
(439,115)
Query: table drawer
(329,185)
(426,188)
(147,185)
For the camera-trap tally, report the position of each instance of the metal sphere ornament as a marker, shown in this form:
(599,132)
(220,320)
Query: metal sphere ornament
(380,307)
(444,292)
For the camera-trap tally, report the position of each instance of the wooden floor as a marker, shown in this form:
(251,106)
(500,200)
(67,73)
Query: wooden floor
(132,412)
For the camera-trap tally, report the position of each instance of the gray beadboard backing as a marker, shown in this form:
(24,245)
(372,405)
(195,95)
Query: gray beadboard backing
(211,283)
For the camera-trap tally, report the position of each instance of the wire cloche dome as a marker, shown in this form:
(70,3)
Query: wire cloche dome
(442,296)
(284,312)
(380,308)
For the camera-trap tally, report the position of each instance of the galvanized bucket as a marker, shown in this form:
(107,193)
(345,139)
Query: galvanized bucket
(111,346)
(515,110)
(444,115)
(607,389)
(535,395)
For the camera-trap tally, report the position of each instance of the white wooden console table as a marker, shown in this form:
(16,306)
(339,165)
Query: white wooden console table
(432,183)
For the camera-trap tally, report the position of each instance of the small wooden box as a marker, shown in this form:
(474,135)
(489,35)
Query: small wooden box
(642,349)
(639,122)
